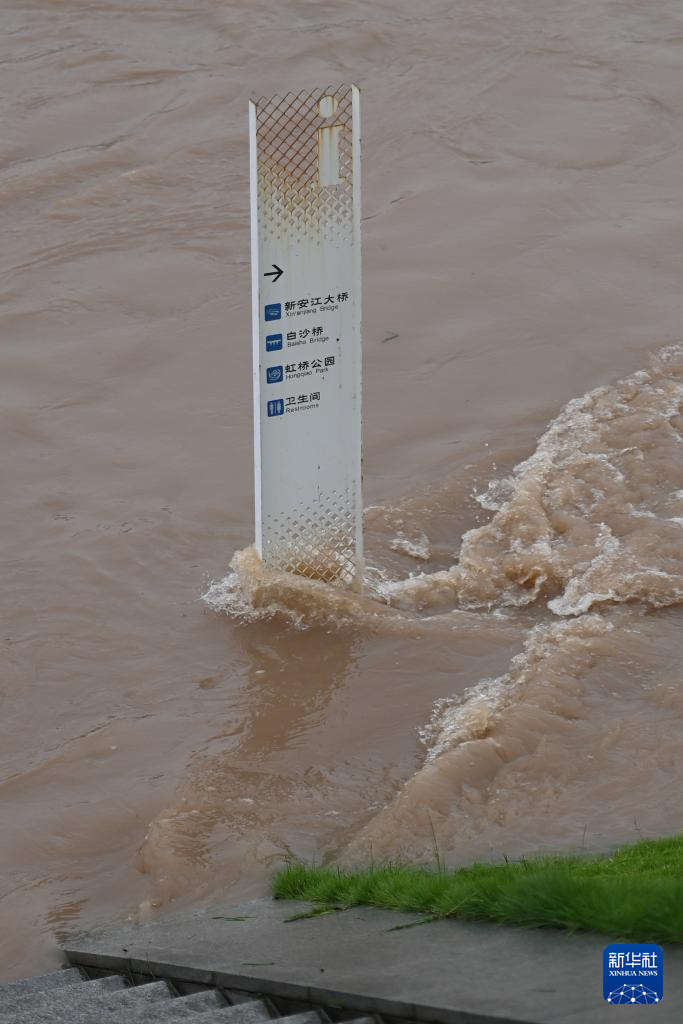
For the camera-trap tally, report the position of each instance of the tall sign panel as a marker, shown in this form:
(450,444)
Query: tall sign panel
(306,317)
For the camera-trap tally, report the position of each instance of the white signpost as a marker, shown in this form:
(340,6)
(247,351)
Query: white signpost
(306,327)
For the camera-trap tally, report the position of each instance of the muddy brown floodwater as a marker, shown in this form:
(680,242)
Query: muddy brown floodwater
(511,677)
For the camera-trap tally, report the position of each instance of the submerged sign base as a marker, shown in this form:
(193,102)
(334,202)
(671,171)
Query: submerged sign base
(306,317)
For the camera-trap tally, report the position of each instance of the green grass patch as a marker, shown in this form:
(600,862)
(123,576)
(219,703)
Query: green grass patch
(635,893)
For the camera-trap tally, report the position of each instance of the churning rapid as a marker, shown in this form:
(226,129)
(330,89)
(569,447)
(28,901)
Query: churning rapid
(594,516)
(510,679)
(590,522)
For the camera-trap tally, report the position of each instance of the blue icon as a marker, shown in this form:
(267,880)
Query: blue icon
(274,311)
(632,972)
(273,342)
(274,375)
(276,407)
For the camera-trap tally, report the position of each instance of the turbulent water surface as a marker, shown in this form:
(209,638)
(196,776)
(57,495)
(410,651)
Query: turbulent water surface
(175,719)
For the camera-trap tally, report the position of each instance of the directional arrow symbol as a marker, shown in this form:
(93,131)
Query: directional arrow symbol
(276,273)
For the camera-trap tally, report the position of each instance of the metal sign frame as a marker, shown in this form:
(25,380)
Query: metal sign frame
(305,178)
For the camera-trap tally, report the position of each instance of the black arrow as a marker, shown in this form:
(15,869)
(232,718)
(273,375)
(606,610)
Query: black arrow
(276,273)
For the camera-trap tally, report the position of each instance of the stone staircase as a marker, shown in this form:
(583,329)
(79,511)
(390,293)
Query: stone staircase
(270,960)
(71,997)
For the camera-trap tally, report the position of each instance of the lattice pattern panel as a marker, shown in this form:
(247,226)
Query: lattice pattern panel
(291,199)
(315,541)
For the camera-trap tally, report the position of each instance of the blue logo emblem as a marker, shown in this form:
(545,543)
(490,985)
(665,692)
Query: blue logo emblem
(276,407)
(632,973)
(274,374)
(273,342)
(274,311)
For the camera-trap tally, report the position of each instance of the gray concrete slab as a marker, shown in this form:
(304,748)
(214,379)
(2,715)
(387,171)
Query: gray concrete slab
(449,972)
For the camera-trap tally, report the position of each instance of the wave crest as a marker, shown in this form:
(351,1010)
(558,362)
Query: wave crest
(595,515)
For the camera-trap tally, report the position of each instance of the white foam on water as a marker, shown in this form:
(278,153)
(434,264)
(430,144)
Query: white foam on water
(415,547)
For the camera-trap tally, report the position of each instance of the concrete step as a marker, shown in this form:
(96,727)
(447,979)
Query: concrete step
(307,1017)
(181,1006)
(152,1003)
(177,1008)
(242,1013)
(234,996)
(14,1004)
(66,997)
(255,1013)
(141,995)
(146,1002)
(41,983)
